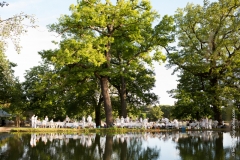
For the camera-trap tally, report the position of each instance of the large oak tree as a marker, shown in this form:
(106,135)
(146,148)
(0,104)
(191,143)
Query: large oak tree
(209,51)
(90,34)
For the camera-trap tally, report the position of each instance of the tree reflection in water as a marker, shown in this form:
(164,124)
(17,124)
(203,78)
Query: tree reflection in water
(132,146)
(206,145)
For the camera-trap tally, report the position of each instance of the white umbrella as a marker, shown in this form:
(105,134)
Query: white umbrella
(4,114)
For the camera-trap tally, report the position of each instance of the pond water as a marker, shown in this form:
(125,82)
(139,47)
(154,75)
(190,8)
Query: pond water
(207,145)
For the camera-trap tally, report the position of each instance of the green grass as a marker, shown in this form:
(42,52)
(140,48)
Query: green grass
(102,130)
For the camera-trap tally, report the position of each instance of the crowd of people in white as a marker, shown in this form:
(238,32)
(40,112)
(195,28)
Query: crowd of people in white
(45,123)
(127,122)
(204,123)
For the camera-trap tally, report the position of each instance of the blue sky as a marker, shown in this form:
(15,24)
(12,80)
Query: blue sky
(47,12)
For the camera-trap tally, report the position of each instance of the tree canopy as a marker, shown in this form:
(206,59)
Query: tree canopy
(101,39)
(208,54)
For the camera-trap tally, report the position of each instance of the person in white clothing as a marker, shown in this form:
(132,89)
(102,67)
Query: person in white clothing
(203,123)
(67,119)
(89,119)
(206,123)
(32,120)
(175,121)
(127,119)
(210,123)
(35,121)
(122,121)
(83,121)
(46,118)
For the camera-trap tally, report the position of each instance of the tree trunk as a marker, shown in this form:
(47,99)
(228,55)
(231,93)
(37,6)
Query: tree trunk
(98,112)
(219,147)
(98,145)
(123,96)
(107,101)
(17,121)
(108,147)
(198,116)
(216,104)
(217,114)
(124,150)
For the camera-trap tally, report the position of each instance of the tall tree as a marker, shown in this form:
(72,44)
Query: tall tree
(7,79)
(42,98)
(89,35)
(135,77)
(193,102)
(209,49)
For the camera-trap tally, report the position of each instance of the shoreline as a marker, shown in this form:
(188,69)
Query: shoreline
(99,130)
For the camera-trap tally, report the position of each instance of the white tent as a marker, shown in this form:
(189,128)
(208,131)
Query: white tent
(4,114)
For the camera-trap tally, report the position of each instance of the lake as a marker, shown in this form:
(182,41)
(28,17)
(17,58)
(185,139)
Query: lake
(189,145)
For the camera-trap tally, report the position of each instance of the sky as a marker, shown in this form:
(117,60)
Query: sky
(48,11)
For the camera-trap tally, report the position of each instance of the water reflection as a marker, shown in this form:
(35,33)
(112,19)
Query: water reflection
(132,146)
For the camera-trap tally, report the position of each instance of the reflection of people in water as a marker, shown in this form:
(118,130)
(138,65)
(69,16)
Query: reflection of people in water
(33,140)
(51,137)
(89,141)
(122,138)
(83,139)
(44,138)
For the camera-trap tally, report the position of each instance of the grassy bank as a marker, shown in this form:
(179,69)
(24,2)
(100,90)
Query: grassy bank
(104,130)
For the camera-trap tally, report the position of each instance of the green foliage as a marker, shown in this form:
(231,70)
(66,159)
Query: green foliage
(167,111)
(155,113)
(50,93)
(208,57)
(105,41)
(11,93)
(193,103)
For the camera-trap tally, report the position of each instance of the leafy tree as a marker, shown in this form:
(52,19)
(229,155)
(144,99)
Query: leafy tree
(193,103)
(155,113)
(39,91)
(138,84)
(167,111)
(133,64)
(7,79)
(209,52)
(90,38)
(18,106)
(59,92)
(11,93)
